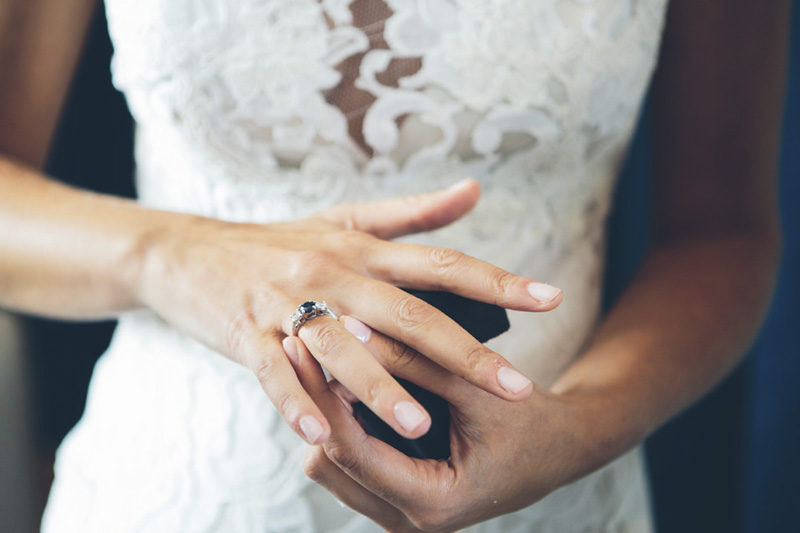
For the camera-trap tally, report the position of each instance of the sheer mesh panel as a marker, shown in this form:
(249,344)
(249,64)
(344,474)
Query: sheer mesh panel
(370,16)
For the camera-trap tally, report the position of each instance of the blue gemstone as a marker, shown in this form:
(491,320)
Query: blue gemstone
(307,307)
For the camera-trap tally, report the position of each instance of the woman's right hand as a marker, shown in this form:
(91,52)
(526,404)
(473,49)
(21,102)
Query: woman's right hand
(234,286)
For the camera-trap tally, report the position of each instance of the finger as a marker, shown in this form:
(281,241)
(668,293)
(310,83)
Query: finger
(345,357)
(409,214)
(407,484)
(444,269)
(347,397)
(374,465)
(421,326)
(324,472)
(311,377)
(280,383)
(470,403)
(405,362)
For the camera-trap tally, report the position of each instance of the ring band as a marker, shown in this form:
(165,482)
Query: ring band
(308,310)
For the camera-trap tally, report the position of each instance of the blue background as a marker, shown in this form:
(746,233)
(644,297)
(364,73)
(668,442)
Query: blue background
(731,463)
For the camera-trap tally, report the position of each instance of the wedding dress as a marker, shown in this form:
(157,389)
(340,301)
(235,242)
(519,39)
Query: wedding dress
(269,110)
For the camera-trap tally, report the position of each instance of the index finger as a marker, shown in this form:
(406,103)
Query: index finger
(445,269)
(385,472)
(424,328)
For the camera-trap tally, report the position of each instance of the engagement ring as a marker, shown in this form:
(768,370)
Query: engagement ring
(308,310)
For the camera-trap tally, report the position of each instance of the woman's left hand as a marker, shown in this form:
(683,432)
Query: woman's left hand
(504,455)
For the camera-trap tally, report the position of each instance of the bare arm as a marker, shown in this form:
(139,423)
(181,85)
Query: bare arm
(687,319)
(51,261)
(74,254)
(40,42)
(694,309)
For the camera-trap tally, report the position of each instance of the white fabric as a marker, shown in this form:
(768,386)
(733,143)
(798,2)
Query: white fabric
(251,110)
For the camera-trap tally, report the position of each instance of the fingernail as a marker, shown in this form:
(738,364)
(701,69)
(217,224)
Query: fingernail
(459,185)
(311,428)
(543,292)
(511,380)
(409,415)
(290,348)
(359,330)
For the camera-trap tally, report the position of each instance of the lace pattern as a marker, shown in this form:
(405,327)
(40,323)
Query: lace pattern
(268,110)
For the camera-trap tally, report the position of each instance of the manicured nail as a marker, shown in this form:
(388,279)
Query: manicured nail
(311,428)
(360,330)
(290,348)
(542,292)
(511,380)
(457,186)
(409,415)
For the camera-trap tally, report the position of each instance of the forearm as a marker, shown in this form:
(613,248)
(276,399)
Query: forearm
(69,253)
(696,306)
(686,320)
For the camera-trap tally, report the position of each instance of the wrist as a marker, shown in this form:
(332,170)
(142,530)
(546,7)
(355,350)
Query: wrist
(150,250)
(603,426)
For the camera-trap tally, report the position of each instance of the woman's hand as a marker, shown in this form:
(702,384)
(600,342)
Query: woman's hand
(504,456)
(687,318)
(234,287)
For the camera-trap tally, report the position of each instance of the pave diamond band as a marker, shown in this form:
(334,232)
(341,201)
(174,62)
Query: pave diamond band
(308,310)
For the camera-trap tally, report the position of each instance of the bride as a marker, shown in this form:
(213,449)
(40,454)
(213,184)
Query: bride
(283,147)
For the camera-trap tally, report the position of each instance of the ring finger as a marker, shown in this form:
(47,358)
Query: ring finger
(342,353)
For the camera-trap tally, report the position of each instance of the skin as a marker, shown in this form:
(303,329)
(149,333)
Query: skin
(685,321)
(77,255)
(682,325)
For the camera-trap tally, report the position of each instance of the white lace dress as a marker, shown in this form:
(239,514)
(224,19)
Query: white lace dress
(268,110)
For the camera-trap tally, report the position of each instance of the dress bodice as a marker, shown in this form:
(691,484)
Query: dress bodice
(314,102)
(267,110)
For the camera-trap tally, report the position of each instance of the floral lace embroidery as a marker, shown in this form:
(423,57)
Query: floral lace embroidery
(266,110)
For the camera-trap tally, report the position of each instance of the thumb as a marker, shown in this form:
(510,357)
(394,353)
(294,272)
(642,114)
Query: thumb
(408,214)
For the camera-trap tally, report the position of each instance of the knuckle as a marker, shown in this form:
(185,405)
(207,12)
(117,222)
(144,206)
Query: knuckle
(355,239)
(314,466)
(414,209)
(502,282)
(409,312)
(443,260)
(310,262)
(413,200)
(439,512)
(237,336)
(429,520)
(265,370)
(474,356)
(267,294)
(286,403)
(344,457)
(373,392)
(348,217)
(400,356)
(328,338)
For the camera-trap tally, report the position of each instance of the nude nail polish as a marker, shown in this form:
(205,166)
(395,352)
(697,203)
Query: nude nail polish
(511,380)
(408,415)
(542,292)
(359,330)
(290,349)
(461,184)
(311,428)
